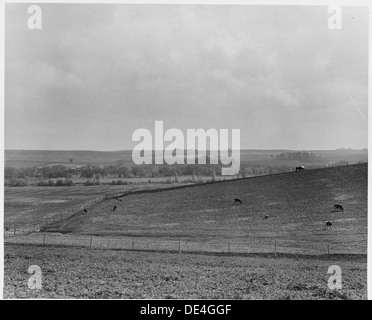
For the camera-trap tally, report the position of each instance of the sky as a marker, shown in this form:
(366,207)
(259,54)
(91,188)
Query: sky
(95,73)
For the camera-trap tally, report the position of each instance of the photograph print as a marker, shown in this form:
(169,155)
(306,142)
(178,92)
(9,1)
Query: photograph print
(185,151)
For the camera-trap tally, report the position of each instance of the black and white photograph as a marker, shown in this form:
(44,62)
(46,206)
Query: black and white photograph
(185,151)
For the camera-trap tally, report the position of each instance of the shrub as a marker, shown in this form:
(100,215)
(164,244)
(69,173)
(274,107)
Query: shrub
(12,182)
(89,183)
(199,181)
(51,183)
(17,183)
(168,181)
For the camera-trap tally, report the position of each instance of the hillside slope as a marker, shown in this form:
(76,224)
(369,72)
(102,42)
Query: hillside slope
(297,204)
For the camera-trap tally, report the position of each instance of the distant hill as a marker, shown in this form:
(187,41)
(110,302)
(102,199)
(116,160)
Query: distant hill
(32,158)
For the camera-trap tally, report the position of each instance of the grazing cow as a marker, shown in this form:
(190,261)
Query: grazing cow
(237,201)
(266,216)
(114,208)
(121,200)
(338,207)
(328,225)
(299,168)
(85,210)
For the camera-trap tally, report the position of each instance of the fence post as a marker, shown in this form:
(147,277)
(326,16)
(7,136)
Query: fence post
(90,245)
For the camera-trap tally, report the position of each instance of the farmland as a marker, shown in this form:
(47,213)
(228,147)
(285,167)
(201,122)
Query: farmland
(297,205)
(78,273)
(31,207)
(227,249)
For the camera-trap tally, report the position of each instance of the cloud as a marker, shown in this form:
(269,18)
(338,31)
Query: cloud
(102,71)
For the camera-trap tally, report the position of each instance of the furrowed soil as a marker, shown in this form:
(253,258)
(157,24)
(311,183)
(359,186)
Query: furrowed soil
(80,273)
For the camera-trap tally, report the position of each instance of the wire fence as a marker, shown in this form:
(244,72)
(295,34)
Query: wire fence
(163,244)
(182,245)
(84,206)
(89,204)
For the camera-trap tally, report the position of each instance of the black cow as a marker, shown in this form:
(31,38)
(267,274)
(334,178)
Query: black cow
(114,208)
(338,207)
(299,168)
(121,200)
(266,217)
(328,225)
(238,201)
(85,210)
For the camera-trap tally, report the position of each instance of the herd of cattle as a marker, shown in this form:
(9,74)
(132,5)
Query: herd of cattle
(327,225)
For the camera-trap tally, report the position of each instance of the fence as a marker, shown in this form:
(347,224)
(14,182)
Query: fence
(181,245)
(113,195)
(88,205)
(85,205)
(62,215)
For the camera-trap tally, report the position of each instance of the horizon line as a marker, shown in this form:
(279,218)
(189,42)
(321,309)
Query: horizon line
(129,150)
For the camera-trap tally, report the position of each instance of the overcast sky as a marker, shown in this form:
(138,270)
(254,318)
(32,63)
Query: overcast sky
(96,73)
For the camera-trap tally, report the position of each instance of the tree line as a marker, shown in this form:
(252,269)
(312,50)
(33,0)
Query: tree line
(296,156)
(44,175)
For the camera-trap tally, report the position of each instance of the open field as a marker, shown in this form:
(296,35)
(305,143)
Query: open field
(31,158)
(31,207)
(80,273)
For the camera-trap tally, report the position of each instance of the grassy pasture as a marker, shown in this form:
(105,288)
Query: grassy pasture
(297,205)
(29,207)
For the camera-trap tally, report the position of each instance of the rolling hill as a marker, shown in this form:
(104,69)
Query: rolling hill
(297,203)
(32,158)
